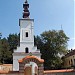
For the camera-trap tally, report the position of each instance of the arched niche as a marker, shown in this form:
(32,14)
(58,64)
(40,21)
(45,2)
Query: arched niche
(27,59)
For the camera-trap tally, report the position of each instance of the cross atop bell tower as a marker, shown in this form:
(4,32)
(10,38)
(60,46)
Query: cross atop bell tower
(26,12)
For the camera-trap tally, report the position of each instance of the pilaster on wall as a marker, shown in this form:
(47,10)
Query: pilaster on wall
(40,69)
(21,67)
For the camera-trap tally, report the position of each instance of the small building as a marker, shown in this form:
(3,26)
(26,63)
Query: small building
(69,59)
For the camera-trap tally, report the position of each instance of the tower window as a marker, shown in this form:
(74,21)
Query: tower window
(26,34)
(26,50)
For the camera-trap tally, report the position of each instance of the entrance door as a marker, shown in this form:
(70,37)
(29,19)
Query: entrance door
(28,70)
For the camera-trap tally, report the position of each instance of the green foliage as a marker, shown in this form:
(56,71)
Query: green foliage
(6,48)
(52,44)
(5,54)
(13,41)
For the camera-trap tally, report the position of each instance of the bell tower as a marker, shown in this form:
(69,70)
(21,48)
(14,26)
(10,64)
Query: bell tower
(26,39)
(26,29)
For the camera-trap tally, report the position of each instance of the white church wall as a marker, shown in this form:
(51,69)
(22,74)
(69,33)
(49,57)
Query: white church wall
(26,41)
(26,26)
(15,62)
(23,46)
(17,57)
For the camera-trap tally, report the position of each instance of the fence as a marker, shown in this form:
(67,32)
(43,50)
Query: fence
(60,72)
(48,72)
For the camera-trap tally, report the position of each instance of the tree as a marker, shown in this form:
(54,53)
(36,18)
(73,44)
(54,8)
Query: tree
(52,44)
(7,45)
(5,54)
(13,41)
(38,42)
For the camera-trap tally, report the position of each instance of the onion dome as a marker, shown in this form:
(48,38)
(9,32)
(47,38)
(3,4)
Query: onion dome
(26,12)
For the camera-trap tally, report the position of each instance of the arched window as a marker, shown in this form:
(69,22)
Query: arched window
(26,50)
(26,34)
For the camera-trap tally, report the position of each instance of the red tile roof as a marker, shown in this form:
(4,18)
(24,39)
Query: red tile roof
(31,57)
(70,53)
(59,71)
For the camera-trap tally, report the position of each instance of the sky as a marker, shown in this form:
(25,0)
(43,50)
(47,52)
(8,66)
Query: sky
(47,15)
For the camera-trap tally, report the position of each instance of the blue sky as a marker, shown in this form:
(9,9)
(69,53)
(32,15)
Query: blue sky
(47,15)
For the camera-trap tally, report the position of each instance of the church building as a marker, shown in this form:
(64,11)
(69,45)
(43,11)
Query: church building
(26,47)
(27,58)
